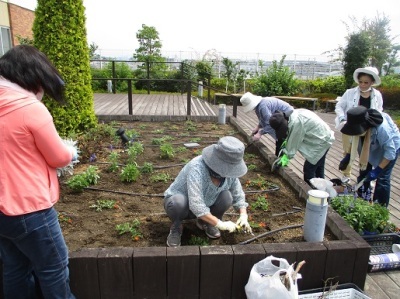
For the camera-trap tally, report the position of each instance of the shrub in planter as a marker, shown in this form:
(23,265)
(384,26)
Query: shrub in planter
(361,215)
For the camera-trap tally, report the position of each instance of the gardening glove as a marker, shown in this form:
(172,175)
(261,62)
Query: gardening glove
(243,223)
(226,225)
(283,161)
(255,130)
(344,163)
(373,174)
(257,136)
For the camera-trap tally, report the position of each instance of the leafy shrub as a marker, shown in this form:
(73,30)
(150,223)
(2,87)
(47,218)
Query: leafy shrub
(361,215)
(130,173)
(80,181)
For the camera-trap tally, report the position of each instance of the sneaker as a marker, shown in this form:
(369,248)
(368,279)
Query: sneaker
(211,231)
(174,237)
(345,179)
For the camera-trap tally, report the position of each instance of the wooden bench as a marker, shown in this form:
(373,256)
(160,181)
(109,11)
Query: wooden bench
(329,104)
(288,99)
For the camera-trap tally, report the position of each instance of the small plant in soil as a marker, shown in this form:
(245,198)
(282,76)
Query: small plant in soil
(130,173)
(102,204)
(132,228)
(167,151)
(161,177)
(198,241)
(147,167)
(113,158)
(260,203)
(80,181)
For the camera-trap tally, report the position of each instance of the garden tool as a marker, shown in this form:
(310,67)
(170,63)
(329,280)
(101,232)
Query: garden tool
(358,185)
(275,164)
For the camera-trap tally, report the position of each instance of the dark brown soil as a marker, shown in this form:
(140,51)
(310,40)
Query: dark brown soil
(85,227)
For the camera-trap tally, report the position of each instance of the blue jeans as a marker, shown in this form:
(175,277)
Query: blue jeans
(382,186)
(33,243)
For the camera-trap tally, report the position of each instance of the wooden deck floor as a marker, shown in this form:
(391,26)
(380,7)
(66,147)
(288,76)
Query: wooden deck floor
(379,285)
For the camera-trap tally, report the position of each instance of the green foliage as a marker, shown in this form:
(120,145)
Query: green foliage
(102,204)
(147,167)
(24,40)
(80,181)
(261,203)
(360,214)
(132,228)
(204,71)
(113,159)
(251,167)
(198,241)
(167,151)
(134,150)
(149,52)
(60,32)
(160,177)
(130,173)
(355,55)
(276,80)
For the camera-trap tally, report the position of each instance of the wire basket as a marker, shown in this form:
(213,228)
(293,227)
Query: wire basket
(381,256)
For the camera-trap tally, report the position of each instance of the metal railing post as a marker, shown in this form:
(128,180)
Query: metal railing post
(130,104)
(189,97)
(113,74)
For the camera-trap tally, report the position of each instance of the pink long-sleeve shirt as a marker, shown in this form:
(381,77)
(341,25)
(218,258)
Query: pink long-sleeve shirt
(30,152)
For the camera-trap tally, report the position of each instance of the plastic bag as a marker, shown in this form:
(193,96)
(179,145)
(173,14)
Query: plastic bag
(324,185)
(266,280)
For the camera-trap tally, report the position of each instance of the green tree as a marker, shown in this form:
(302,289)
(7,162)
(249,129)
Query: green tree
(149,52)
(276,80)
(355,55)
(380,42)
(59,31)
(392,61)
(92,51)
(230,71)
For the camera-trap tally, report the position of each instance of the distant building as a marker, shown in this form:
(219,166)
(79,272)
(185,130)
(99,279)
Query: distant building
(14,21)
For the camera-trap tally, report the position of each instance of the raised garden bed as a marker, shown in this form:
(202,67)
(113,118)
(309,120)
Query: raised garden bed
(193,271)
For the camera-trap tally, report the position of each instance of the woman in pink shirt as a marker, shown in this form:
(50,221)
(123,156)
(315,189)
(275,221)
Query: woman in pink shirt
(31,241)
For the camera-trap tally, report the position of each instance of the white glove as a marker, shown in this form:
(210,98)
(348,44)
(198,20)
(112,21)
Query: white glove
(257,136)
(73,148)
(255,130)
(341,125)
(226,225)
(243,223)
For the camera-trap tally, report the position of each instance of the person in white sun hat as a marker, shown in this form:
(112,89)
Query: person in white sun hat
(364,94)
(264,109)
(206,188)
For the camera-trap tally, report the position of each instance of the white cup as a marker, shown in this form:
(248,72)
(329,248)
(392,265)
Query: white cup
(396,248)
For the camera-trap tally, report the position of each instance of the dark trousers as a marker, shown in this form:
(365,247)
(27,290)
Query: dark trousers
(314,171)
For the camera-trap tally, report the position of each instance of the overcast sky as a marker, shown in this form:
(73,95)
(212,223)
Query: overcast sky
(301,27)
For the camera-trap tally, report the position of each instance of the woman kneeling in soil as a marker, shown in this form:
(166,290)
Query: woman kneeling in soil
(205,189)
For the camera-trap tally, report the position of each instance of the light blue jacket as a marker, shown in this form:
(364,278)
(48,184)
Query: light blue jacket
(385,141)
(194,182)
(308,134)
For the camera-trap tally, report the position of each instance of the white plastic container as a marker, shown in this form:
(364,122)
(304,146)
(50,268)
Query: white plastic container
(221,114)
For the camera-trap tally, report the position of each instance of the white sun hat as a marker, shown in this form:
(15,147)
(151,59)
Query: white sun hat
(249,101)
(373,71)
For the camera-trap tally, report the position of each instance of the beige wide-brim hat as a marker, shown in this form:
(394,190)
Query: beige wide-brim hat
(373,71)
(249,101)
(226,157)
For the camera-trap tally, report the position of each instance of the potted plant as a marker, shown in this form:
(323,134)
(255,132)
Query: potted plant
(361,215)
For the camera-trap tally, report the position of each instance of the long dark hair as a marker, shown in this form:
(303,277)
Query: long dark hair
(32,70)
